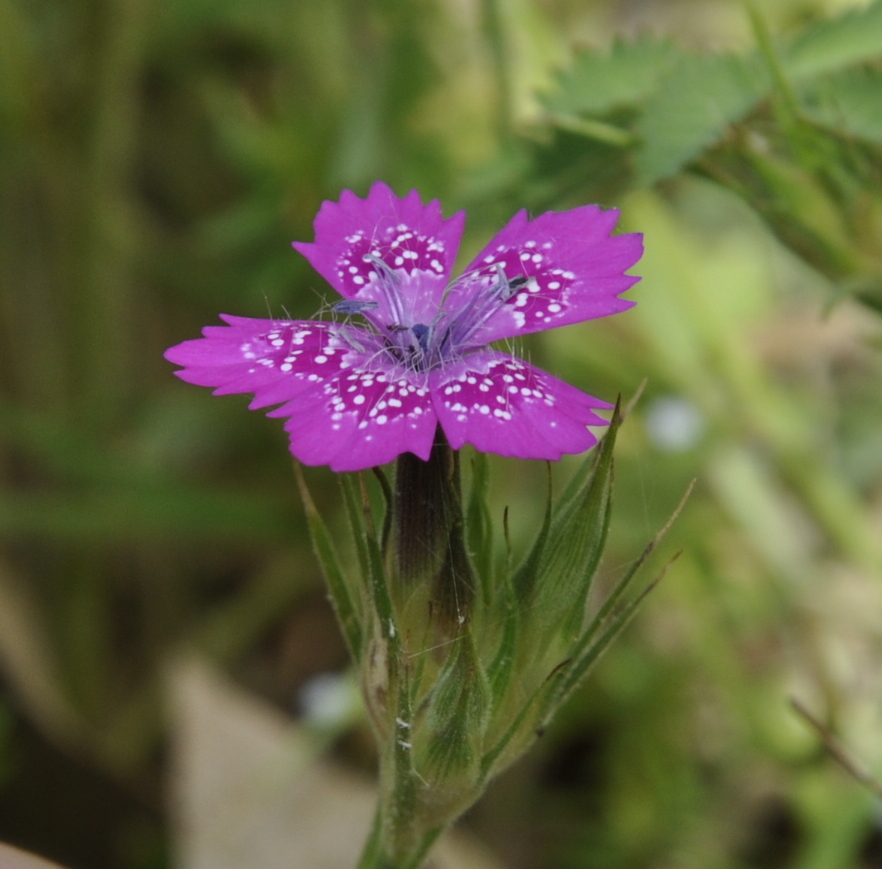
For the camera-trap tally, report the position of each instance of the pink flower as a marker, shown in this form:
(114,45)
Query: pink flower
(359,394)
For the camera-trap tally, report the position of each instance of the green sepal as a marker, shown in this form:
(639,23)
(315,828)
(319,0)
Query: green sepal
(500,669)
(536,711)
(429,549)
(609,621)
(521,730)
(457,716)
(348,614)
(479,526)
(575,543)
(524,580)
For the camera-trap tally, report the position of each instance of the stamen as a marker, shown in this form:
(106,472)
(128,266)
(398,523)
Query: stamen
(354,306)
(389,283)
(423,335)
(481,306)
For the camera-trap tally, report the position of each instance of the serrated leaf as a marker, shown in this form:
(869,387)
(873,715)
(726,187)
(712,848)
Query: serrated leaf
(598,82)
(695,104)
(831,45)
(850,102)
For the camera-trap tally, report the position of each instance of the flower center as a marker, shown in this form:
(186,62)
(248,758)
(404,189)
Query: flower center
(422,335)
(415,347)
(467,305)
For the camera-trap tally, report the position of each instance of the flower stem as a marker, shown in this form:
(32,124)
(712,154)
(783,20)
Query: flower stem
(370,856)
(377,855)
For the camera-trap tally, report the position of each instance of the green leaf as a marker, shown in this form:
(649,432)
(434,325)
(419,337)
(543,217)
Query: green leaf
(598,82)
(371,560)
(800,210)
(696,103)
(347,613)
(388,498)
(355,515)
(831,45)
(384,673)
(849,101)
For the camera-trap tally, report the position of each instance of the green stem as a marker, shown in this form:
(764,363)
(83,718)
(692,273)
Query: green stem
(371,855)
(377,856)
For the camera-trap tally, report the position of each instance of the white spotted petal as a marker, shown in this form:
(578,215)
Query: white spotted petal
(567,268)
(501,404)
(356,238)
(360,420)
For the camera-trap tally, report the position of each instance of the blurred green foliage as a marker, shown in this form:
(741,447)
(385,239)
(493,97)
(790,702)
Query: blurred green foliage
(156,159)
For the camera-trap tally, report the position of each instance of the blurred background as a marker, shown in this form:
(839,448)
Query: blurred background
(156,160)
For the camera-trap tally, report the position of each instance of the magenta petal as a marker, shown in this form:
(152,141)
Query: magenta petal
(412,239)
(203,353)
(566,268)
(500,404)
(274,359)
(359,420)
